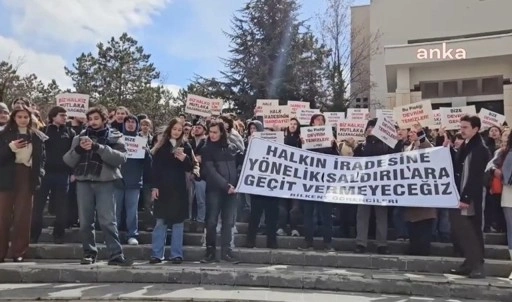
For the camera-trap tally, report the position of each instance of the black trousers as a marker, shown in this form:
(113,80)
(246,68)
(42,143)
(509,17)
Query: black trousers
(420,237)
(270,206)
(467,232)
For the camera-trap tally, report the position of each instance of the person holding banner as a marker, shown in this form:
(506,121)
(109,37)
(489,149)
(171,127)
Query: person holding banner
(372,147)
(466,222)
(324,209)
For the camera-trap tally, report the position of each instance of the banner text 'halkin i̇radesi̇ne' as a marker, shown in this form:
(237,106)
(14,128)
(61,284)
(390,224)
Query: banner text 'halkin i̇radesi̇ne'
(421,178)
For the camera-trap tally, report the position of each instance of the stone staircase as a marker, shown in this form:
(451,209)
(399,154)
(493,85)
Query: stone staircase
(285,267)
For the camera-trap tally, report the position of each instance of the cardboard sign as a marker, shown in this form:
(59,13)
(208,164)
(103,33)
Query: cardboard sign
(351,129)
(135,146)
(76,104)
(333,118)
(274,136)
(413,114)
(264,103)
(317,137)
(387,113)
(216,107)
(437,119)
(198,105)
(296,106)
(385,130)
(304,115)
(358,114)
(490,118)
(276,116)
(450,117)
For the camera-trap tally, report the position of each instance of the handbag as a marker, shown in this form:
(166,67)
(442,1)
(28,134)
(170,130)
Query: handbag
(496,187)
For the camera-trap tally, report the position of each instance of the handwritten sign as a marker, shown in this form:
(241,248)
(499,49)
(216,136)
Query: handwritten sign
(358,114)
(276,116)
(198,105)
(304,115)
(264,103)
(135,146)
(490,118)
(317,137)
(216,107)
(333,118)
(412,114)
(385,130)
(351,129)
(296,105)
(76,104)
(450,117)
(274,136)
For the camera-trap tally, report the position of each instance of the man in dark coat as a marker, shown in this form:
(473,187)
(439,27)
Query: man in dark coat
(466,222)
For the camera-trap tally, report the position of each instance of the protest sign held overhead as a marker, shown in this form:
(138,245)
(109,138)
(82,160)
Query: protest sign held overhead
(76,104)
(304,115)
(296,106)
(358,114)
(351,129)
(258,111)
(450,117)
(415,113)
(437,119)
(385,130)
(317,137)
(420,178)
(387,113)
(276,116)
(273,136)
(135,146)
(216,107)
(333,118)
(198,105)
(490,118)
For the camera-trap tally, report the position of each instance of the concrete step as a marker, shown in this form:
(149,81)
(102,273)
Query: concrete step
(490,238)
(87,292)
(288,242)
(292,277)
(439,265)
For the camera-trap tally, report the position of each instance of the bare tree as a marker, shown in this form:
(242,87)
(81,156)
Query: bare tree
(352,46)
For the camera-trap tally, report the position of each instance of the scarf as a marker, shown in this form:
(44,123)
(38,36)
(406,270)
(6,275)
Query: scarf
(90,162)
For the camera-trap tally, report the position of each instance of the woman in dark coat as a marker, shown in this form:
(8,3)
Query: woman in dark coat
(21,170)
(172,157)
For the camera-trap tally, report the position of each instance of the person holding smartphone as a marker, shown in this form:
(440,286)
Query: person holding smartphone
(22,160)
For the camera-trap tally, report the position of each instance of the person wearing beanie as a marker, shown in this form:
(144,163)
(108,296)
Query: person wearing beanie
(55,183)
(127,191)
(4,115)
(372,147)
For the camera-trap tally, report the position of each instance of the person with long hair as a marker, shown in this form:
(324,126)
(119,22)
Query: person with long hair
(22,159)
(501,168)
(172,159)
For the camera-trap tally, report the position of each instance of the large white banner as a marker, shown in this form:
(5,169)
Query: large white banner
(420,178)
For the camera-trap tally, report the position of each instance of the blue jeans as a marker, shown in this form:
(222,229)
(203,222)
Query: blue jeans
(98,198)
(200,191)
(128,200)
(399,223)
(508,220)
(160,235)
(224,204)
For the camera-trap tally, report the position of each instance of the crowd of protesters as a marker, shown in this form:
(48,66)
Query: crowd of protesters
(79,168)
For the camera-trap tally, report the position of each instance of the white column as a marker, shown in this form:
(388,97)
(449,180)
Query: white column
(507,103)
(403,87)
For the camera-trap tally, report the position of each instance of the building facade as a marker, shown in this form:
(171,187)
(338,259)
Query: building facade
(454,53)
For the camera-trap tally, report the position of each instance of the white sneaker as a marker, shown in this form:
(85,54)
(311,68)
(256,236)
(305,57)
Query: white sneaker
(295,233)
(510,277)
(133,241)
(281,232)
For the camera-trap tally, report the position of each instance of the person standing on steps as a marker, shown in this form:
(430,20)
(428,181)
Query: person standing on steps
(172,160)
(466,222)
(22,158)
(55,183)
(219,169)
(96,156)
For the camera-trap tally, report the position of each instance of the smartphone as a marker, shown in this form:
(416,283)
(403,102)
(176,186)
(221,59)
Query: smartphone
(180,149)
(24,137)
(85,138)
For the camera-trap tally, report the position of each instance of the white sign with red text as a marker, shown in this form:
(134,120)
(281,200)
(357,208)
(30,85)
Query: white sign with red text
(317,137)
(385,130)
(258,111)
(412,114)
(198,105)
(304,115)
(450,117)
(333,118)
(278,116)
(490,118)
(296,106)
(274,136)
(76,104)
(135,146)
(358,114)
(348,129)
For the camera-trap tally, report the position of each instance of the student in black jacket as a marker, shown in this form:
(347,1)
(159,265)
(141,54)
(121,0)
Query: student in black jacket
(55,183)
(219,169)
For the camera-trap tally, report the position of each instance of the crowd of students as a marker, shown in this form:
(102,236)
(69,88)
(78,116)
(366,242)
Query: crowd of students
(80,168)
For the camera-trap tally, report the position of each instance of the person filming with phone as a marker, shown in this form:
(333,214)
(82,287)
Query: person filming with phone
(22,159)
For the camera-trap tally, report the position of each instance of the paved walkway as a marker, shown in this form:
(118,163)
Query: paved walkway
(176,292)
